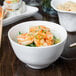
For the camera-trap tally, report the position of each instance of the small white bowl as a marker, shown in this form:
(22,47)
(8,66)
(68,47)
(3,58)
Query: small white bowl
(66,18)
(38,57)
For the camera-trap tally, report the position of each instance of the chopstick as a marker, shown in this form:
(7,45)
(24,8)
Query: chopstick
(1,19)
(73,45)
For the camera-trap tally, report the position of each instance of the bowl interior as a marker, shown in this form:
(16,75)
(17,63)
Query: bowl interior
(55,3)
(57,30)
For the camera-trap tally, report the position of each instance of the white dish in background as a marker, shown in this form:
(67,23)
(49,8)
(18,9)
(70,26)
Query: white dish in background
(38,57)
(66,18)
(29,12)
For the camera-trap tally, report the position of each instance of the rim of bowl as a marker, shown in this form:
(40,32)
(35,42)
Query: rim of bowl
(70,12)
(41,46)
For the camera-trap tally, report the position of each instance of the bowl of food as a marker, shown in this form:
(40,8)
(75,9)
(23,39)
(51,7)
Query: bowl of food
(66,12)
(15,10)
(14,7)
(37,43)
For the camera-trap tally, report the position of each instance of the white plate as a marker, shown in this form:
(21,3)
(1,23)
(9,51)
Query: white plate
(29,12)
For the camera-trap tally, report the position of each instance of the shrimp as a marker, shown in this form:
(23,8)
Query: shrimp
(38,28)
(49,38)
(40,42)
(25,39)
(43,39)
(40,35)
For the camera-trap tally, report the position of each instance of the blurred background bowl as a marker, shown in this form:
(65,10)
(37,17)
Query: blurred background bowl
(66,18)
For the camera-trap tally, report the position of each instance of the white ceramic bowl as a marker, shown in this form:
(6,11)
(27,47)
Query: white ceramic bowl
(67,19)
(37,57)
